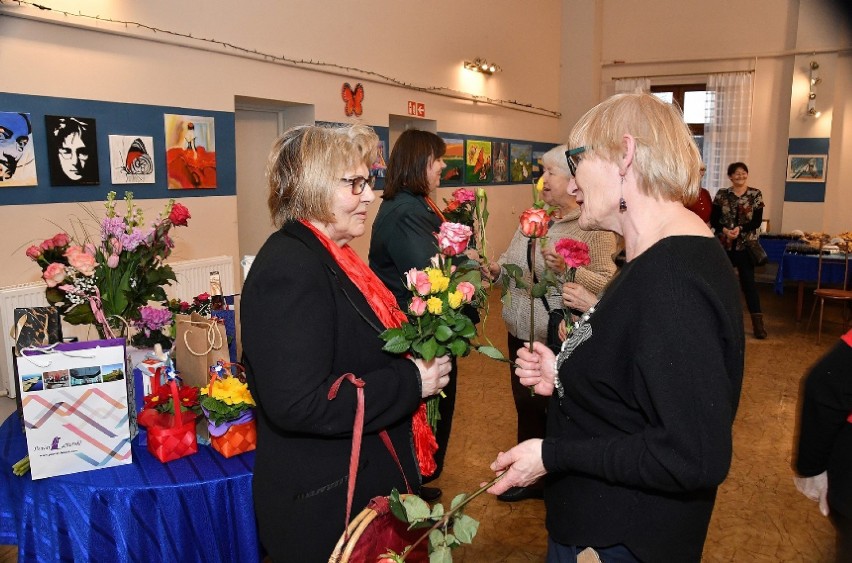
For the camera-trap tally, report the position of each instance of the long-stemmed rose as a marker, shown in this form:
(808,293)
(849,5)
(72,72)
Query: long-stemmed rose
(453,238)
(534,223)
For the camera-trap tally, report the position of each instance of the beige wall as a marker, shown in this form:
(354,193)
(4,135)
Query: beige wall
(684,41)
(559,55)
(426,48)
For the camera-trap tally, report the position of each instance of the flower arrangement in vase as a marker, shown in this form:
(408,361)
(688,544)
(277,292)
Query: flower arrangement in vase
(99,283)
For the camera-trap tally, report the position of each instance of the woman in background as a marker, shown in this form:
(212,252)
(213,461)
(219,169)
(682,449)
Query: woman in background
(532,409)
(645,389)
(312,312)
(403,237)
(736,218)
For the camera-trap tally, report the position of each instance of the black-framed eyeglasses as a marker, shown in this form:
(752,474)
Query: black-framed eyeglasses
(358,183)
(573,158)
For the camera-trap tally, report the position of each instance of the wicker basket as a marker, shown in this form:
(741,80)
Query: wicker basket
(373,532)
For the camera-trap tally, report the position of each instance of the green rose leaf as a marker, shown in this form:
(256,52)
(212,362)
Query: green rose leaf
(539,290)
(491,352)
(459,347)
(430,349)
(397,345)
(441,555)
(443,333)
(457,500)
(465,528)
(416,508)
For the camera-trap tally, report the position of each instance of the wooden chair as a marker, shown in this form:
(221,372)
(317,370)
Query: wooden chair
(842,294)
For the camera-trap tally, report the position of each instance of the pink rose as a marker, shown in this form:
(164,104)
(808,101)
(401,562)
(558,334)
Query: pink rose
(47,245)
(417,306)
(575,252)
(81,260)
(54,274)
(463,195)
(61,239)
(418,281)
(534,223)
(467,289)
(112,261)
(453,238)
(34,252)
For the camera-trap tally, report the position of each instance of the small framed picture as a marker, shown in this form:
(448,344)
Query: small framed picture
(806,167)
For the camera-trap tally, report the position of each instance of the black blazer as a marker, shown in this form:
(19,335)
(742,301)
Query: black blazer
(403,237)
(304,323)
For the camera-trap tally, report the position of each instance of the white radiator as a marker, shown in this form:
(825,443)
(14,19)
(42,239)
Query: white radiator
(25,295)
(193,278)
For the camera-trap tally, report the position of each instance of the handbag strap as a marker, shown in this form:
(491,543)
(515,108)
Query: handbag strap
(357,435)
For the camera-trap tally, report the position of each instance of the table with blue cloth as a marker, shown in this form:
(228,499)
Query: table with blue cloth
(197,508)
(803,268)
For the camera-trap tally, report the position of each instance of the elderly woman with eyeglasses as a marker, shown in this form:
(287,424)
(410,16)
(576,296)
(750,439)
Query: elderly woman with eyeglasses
(645,389)
(311,313)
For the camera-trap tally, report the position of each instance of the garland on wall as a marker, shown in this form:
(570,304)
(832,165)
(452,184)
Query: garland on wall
(320,66)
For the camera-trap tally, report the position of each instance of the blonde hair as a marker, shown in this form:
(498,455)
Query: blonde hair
(666,160)
(306,165)
(555,158)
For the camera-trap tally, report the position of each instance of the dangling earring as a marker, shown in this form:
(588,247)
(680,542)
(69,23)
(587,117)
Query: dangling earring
(622,205)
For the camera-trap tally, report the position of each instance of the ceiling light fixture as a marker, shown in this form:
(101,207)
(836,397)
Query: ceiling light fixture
(814,80)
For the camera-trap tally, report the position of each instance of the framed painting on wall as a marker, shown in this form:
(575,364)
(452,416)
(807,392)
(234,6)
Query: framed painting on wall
(520,159)
(454,159)
(806,167)
(131,159)
(17,158)
(500,155)
(477,168)
(72,150)
(190,151)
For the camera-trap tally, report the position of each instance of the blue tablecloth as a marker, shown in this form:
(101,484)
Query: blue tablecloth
(803,268)
(774,248)
(197,508)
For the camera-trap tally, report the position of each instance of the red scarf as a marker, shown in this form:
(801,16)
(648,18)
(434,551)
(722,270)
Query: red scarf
(383,303)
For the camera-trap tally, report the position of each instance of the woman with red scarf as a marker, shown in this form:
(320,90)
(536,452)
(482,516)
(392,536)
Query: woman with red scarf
(311,313)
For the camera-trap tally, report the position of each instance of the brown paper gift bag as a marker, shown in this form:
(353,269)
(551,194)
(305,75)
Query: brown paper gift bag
(200,343)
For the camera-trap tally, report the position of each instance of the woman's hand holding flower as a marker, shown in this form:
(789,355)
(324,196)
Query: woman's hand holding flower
(578,297)
(554,261)
(535,368)
(522,464)
(434,374)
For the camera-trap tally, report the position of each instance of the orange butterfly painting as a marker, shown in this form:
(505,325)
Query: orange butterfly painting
(353,99)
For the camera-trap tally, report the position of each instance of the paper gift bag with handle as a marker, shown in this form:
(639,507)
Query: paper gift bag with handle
(200,343)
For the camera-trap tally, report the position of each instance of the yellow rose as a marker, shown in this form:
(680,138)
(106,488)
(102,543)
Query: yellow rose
(438,280)
(455,299)
(435,305)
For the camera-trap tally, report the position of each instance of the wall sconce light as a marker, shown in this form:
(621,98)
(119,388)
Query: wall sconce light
(482,65)
(814,80)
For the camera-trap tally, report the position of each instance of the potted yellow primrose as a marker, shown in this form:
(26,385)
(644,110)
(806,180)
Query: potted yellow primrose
(229,408)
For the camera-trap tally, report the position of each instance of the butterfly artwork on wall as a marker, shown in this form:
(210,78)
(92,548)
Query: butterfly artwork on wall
(353,99)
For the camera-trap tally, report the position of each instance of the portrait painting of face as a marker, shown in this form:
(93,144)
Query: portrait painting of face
(131,159)
(17,158)
(72,150)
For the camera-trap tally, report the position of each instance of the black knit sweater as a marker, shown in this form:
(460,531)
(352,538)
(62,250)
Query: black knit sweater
(642,438)
(825,437)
